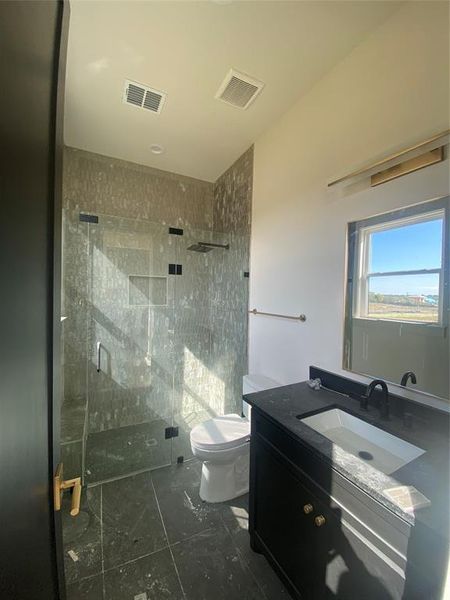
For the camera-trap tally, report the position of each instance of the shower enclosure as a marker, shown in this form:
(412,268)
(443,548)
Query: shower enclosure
(154,340)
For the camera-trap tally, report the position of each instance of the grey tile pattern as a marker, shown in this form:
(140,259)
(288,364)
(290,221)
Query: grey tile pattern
(235,186)
(151,533)
(229,295)
(154,575)
(100,184)
(147,290)
(82,536)
(131,523)
(125,450)
(86,589)
(176,364)
(72,419)
(210,567)
(71,457)
(74,303)
(183,511)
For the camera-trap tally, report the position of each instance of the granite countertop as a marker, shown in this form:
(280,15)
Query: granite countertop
(429,473)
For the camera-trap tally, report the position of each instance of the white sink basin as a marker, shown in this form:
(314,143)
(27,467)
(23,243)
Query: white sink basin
(381,450)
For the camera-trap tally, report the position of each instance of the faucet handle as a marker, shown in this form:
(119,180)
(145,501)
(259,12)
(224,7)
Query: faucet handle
(364,402)
(363,399)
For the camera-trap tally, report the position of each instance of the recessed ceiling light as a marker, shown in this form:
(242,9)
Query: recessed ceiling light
(156,149)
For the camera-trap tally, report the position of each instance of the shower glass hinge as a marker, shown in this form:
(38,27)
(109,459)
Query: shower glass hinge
(175,231)
(88,218)
(175,269)
(171,432)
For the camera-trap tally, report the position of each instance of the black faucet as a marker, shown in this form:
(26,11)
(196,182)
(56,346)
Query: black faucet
(408,375)
(384,404)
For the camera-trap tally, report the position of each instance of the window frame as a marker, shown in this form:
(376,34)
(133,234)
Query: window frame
(362,275)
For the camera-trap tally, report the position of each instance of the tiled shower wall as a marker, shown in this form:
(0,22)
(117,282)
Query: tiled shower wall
(174,346)
(230,271)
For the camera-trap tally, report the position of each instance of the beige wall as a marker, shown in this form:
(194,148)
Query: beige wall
(391,91)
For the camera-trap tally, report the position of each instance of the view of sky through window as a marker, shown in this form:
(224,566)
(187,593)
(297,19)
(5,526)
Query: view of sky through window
(410,247)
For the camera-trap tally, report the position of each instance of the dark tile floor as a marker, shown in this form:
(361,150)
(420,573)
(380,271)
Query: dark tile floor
(150,537)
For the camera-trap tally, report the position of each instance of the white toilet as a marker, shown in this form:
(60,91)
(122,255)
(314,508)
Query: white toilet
(223,446)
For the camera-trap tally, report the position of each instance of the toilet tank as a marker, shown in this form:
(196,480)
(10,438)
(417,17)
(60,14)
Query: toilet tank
(255,383)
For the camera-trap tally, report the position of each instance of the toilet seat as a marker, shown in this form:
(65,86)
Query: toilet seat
(221,433)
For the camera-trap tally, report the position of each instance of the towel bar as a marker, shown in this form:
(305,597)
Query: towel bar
(301,318)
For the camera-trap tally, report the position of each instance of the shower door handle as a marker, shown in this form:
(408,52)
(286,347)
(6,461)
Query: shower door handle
(99,352)
(60,485)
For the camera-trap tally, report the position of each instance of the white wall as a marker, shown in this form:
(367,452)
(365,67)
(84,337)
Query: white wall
(390,92)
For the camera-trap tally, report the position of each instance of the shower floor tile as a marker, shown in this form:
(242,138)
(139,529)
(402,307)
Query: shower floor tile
(117,452)
(151,534)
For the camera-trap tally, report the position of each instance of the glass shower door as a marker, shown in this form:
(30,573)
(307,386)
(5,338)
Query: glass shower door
(130,371)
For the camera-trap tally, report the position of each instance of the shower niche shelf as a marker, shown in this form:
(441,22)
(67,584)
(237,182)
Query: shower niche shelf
(147,290)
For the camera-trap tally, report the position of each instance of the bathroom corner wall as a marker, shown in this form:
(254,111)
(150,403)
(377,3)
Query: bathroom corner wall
(177,364)
(229,298)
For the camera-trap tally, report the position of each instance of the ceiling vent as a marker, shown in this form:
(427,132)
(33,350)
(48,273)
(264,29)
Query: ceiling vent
(239,89)
(143,96)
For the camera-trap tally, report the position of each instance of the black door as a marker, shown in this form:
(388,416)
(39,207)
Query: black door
(30,53)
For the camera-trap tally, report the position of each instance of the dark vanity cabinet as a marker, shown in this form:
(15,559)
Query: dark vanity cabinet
(323,536)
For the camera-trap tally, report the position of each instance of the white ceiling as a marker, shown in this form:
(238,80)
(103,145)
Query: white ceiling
(186,49)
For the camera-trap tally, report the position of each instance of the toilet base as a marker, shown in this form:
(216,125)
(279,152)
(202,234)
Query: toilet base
(224,481)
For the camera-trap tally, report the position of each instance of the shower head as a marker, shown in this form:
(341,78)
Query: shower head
(207,247)
(199,248)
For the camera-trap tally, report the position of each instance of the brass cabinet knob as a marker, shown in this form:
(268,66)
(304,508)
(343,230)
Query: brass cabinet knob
(308,508)
(319,521)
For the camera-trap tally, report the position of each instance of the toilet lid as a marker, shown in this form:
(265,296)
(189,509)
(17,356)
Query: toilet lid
(220,433)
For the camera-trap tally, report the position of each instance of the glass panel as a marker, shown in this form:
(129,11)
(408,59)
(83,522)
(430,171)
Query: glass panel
(74,349)
(411,247)
(193,365)
(404,298)
(210,333)
(173,347)
(130,313)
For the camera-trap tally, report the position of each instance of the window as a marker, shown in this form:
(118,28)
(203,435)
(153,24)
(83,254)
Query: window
(399,267)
